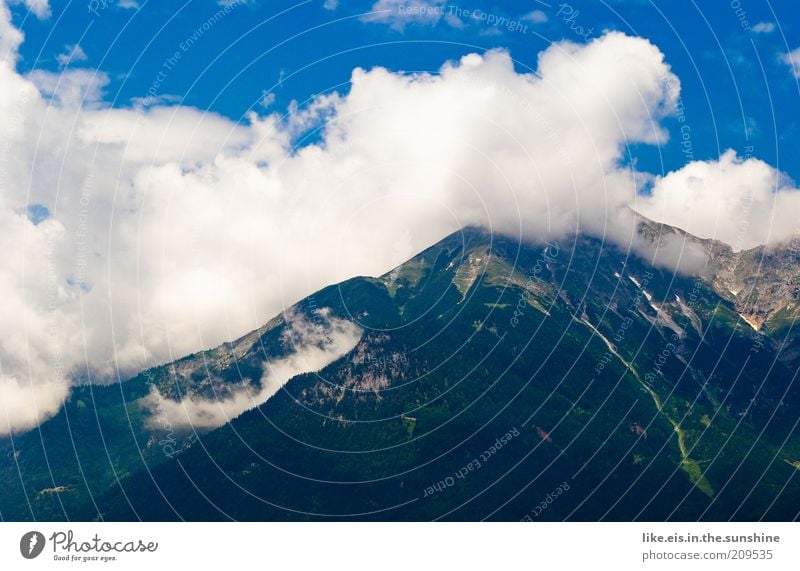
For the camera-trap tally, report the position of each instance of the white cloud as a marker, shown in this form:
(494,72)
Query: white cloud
(40,8)
(330,4)
(399,13)
(163,240)
(25,404)
(537,17)
(32,348)
(73,53)
(155,100)
(742,202)
(267,100)
(792,59)
(10,36)
(764,28)
(71,87)
(173,229)
(315,343)
(128,4)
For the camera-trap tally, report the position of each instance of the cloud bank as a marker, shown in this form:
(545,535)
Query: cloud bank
(134,236)
(743,202)
(316,344)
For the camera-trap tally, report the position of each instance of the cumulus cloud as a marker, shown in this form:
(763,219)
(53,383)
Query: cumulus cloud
(161,230)
(792,59)
(743,202)
(316,343)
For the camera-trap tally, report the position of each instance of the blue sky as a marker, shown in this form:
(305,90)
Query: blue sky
(736,90)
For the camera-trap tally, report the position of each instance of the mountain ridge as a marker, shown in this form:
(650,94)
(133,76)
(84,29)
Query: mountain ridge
(576,345)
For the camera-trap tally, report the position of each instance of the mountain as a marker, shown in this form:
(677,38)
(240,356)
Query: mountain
(483,379)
